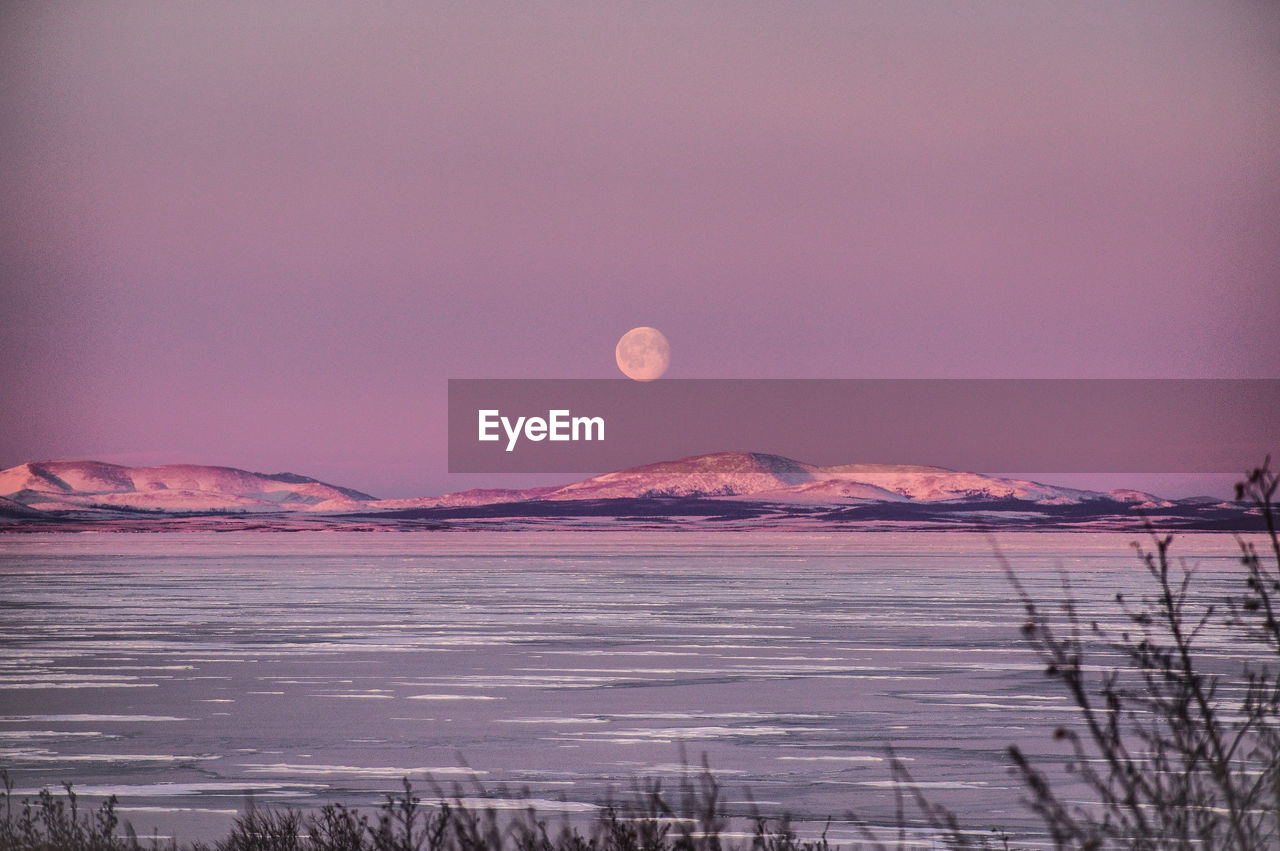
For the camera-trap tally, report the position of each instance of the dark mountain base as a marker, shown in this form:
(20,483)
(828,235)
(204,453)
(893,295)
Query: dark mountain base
(669,512)
(1009,513)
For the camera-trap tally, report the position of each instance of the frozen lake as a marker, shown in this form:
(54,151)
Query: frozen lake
(184,671)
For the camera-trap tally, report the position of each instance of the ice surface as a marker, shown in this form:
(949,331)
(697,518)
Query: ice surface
(308,668)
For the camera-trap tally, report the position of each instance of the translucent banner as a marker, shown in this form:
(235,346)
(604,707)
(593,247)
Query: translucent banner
(1045,425)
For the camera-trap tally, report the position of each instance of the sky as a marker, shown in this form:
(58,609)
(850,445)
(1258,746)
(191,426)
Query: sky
(266,235)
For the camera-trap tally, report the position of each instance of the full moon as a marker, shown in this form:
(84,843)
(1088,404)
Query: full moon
(643,354)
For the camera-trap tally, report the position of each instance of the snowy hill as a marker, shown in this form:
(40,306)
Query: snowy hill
(476,496)
(67,485)
(71,485)
(778,479)
(751,489)
(933,484)
(719,474)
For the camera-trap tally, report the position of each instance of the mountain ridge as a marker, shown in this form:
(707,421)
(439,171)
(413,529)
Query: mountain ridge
(97,485)
(750,474)
(729,476)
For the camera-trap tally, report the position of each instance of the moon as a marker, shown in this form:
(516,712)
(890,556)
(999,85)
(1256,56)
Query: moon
(643,354)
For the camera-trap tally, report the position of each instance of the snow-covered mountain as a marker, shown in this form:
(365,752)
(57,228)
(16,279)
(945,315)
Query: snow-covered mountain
(775,478)
(736,476)
(73,485)
(476,496)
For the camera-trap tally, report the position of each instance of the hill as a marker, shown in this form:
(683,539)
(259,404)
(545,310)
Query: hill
(724,489)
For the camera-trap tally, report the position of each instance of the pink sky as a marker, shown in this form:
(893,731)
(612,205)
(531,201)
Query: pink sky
(265,235)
